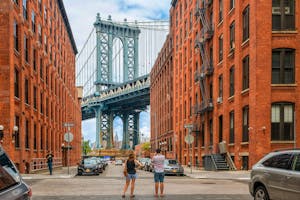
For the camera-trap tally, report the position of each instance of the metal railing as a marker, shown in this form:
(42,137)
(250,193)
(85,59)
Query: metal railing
(38,164)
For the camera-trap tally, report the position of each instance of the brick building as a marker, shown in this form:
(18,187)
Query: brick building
(235,78)
(161,95)
(37,82)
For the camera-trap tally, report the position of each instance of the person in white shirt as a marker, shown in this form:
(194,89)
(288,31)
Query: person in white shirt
(159,175)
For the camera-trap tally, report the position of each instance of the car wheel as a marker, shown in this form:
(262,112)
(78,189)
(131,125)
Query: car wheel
(261,193)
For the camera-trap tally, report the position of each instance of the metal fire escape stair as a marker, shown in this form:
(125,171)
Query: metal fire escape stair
(206,69)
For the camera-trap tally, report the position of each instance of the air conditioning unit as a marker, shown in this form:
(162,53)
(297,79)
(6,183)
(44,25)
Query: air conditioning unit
(219,100)
(277,10)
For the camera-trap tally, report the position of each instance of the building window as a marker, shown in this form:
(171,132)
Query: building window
(42,137)
(33,21)
(283,15)
(34,57)
(16,83)
(40,34)
(41,69)
(16,2)
(26,91)
(34,137)
(221,86)
(27,134)
(232,4)
(282,121)
(34,97)
(191,20)
(220,48)
(25,9)
(17,133)
(231,127)
(202,134)
(16,36)
(283,66)
(246,23)
(245,124)
(26,48)
(246,73)
(220,10)
(41,103)
(232,36)
(40,5)
(231,81)
(220,128)
(211,132)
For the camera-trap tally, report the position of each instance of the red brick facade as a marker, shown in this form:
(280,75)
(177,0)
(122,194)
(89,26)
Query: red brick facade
(161,98)
(37,82)
(212,127)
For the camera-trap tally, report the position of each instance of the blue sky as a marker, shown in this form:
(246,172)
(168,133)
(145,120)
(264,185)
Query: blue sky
(82,15)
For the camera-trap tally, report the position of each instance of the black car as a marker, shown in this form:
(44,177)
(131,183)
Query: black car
(88,167)
(12,187)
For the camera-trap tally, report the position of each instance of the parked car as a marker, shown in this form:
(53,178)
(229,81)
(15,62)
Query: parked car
(276,176)
(88,167)
(172,167)
(143,161)
(12,187)
(99,163)
(119,162)
(148,165)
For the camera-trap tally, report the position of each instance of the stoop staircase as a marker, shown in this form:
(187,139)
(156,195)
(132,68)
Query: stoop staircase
(219,162)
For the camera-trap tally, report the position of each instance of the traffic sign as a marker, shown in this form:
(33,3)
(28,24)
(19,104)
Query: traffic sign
(68,137)
(189,139)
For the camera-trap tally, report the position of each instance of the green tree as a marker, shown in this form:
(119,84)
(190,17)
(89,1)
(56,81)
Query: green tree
(146,146)
(86,147)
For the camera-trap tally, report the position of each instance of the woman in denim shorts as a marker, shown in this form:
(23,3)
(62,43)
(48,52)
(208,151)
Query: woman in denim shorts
(130,174)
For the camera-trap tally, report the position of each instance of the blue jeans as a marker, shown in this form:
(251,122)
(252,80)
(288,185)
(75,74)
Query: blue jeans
(159,177)
(50,167)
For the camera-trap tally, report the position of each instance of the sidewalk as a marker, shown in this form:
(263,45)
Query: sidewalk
(56,174)
(225,175)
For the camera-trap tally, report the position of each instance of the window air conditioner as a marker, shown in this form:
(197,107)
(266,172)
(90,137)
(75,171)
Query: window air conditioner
(219,100)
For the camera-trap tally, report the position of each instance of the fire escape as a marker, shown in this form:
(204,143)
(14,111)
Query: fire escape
(206,69)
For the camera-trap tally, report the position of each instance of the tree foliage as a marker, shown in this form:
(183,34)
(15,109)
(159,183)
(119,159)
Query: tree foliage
(86,147)
(146,146)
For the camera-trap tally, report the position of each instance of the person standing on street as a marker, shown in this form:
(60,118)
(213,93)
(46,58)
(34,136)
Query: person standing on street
(159,175)
(130,173)
(49,158)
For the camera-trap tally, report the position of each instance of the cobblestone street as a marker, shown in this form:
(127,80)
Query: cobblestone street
(109,186)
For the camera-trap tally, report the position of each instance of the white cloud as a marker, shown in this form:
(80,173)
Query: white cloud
(82,14)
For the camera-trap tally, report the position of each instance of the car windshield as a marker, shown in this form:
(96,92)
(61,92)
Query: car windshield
(9,176)
(170,162)
(90,162)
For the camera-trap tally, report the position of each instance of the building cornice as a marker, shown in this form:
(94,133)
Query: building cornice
(66,21)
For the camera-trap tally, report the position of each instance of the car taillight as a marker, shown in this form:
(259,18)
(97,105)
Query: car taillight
(30,192)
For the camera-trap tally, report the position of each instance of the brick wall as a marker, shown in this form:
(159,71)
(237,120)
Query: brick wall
(49,70)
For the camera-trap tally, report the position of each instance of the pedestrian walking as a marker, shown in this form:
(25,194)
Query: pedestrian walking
(130,173)
(49,157)
(159,175)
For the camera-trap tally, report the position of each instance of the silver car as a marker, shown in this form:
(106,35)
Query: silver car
(172,167)
(276,176)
